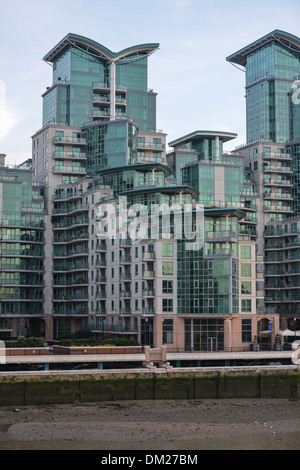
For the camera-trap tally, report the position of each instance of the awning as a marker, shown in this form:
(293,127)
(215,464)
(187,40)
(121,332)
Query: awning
(289,333)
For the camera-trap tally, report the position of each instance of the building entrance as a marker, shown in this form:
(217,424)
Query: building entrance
(204,334)
(212,344)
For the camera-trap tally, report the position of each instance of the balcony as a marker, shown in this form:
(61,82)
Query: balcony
(69,195)
(125,260)
(150,145)
(101,113)
(149,293)
(69,155)
(101,311)
(125,242)
(277,196)
(69,169)
(276,156)
(69,210)
(125,277)
(72,238)
(65,254)
(217,236)
(101,263)
(98,99)
(69,140)
(120,101)
(274,208)
(125,294)
(148,275)
(105,86)
(101,246)
(73,267)
(125,311)
(101,86)
(276,182)
(220,252)
(100,295)
(275,169)
(148,256)
(284,246)
(148,311)
(36,296)
(65,225)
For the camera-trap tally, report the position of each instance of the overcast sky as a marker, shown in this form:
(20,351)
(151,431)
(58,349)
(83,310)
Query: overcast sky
(197,88)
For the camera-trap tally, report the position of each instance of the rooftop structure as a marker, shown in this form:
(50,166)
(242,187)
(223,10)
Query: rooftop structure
(271,65)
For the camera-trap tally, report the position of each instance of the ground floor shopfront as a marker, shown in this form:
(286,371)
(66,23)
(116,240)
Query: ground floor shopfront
(182,332)
(232,333)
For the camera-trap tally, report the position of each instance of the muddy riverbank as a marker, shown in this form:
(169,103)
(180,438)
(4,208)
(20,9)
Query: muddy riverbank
(132,424)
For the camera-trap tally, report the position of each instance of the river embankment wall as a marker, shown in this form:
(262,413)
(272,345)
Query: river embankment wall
(30,389)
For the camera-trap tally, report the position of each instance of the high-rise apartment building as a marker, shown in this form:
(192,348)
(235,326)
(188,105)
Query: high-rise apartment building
(272,65)
(109,203)
(22,255)
(272,70)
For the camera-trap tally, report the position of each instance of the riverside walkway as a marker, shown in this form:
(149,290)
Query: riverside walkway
(154,358)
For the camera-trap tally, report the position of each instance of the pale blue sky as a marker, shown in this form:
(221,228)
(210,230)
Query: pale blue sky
(197,88)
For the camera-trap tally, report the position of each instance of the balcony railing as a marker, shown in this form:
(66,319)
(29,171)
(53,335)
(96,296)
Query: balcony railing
(125,277)
(69,169)
(125,311)
(69,140)
(125,294)
(148,274)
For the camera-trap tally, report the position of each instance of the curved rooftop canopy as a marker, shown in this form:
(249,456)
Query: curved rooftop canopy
(285,39)
(162,189)
(196,135)
(96,49)
(144,167)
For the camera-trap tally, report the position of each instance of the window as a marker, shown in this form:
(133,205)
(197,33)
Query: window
(246,287)
(246,305)
(168,331)
(167,249)
(246,330)
(245,269)
(167,268)
(246,252)
(167,305)
(167,287)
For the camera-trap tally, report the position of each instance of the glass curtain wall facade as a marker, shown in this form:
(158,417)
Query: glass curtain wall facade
(22,256)
(154,289)
(88,77)
(110,145)
(272,65)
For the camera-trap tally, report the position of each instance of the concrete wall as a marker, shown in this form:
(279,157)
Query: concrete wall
(27,392)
